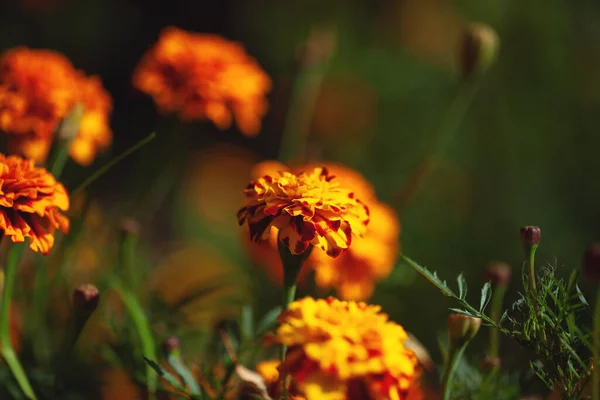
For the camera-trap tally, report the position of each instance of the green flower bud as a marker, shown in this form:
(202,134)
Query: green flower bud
(479,50)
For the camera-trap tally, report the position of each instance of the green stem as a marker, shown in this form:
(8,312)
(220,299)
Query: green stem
(60,158)
(454,357)
(112,163)
(142,326)
(65,135)
(447,128)
(496,311)
(127,249)
(531,261)
(292,264)
(14,256)
(305,94)
(596,349)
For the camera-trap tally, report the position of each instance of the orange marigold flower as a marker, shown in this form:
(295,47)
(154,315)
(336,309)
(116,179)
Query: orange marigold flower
(307,208)
(202,76)
(269,371)
(369,260)
(30,203)
(38,88)
(340,350)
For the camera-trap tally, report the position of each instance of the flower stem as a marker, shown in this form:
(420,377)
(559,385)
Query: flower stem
(292,264)
(496,311)
(531,261)
(454,356)
(305,93)
(105,168)
(142,326)
(8,353)
(448,127)
(596,349)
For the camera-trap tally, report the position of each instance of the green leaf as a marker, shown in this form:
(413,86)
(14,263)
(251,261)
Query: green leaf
(462,286)
(580,295)
(166,376)
(247,323)
(486,295)
(268,320)
(185,374)
(431,277)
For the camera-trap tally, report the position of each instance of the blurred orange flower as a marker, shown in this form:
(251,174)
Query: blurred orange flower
(307,208)
(200,283)
(38,88)
(203,76)
(30,203)
(345,350)
(370,258)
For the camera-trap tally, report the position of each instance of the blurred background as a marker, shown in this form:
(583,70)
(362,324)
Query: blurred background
(526,153)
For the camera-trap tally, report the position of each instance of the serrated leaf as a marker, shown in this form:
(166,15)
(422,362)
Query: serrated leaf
(581,296)
(431,277)
(166,376)
(486,295)
(462,286)
(465,312)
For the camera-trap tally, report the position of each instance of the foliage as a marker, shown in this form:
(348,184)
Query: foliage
(544,322)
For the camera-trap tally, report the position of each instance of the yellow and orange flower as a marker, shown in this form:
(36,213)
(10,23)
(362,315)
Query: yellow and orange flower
(340,350)
(38,88)
(203,76)
(370,258)
(31,201)
(307,208)
(269,371)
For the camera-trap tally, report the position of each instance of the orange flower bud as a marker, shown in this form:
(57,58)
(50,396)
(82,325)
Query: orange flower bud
(462,328)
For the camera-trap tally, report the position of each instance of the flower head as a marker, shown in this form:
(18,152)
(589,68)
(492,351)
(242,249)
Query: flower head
(342,350)
(202,76)
(31,201)
(38,89)
(307,208)
(370,258)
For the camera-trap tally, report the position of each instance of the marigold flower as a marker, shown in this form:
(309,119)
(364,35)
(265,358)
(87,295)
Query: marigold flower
(342,350)
(202,76)
(38,88)
(369,260)
(307,208)
(269,371)
(30,203)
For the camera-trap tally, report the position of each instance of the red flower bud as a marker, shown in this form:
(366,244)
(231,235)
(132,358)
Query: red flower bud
(530,235)
(86,298)
(498,273)
(591,263)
